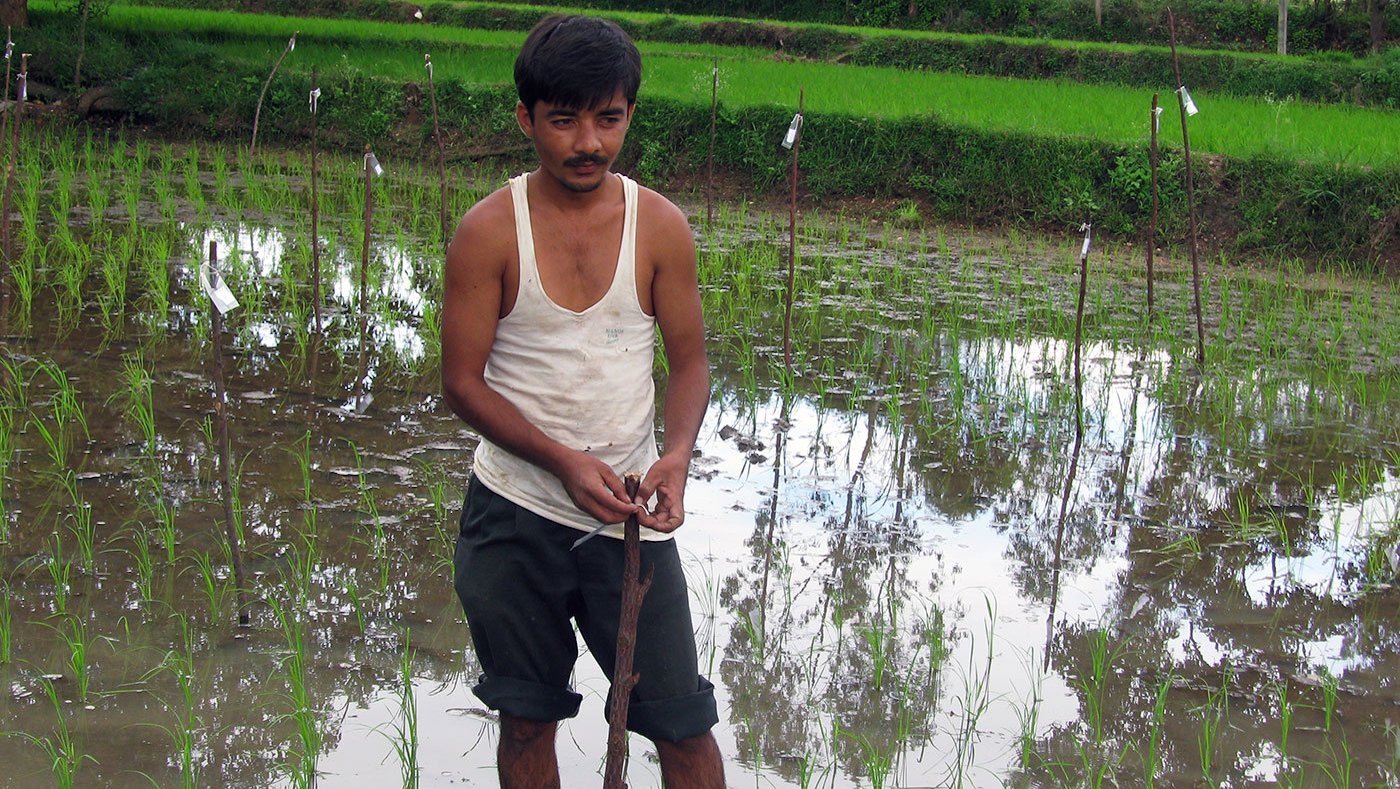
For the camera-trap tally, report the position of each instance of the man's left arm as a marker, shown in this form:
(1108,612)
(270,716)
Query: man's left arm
(675,293)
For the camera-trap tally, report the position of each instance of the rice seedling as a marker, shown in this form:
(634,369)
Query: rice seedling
(302,772)
(73,633)
(211,585)
(79,520)
(1330,685)
(60,571)
(1152,757)
(7,626)
(405,729)
(62,747)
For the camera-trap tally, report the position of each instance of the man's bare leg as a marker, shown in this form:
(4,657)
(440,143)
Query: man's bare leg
(525,757)
(693,763)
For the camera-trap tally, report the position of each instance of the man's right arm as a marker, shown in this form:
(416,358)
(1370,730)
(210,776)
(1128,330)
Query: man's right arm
(473,292)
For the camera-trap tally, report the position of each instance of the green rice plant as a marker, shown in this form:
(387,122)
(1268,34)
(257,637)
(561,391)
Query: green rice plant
(1152,758)
(178,662)
(59,572)
(61,748)
(144,563)
(137,398)
(7,628)
(73,633)
(213,587)
(1285,719)
(54,444)
(357,601)
(975,698)
(367,500)
(67,408)
(878,763)
(79,520)
(111,301)
(405,728)
(164,516)
(1330,685)
(1338,769)
(302,773)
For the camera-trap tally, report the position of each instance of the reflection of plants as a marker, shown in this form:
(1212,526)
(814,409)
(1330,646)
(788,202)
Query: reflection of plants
(1330,683)
(878,763)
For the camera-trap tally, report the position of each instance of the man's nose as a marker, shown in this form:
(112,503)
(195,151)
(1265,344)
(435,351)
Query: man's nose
(588,140)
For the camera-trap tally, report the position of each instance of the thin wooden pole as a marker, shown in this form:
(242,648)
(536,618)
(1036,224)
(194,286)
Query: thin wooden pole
(710,160)
(257,112)
(796,135)
(9,54)
(364,278)
(442,156)
(1153,122)
(634,589)
(315,206)
(1079,333)
(6,235)
(1190,195)
(221,417)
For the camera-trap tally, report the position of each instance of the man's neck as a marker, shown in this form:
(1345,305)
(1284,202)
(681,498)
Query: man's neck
(545,188)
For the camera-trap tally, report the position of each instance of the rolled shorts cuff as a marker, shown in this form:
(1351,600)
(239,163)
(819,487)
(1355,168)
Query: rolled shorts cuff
(524,699)
(677,718)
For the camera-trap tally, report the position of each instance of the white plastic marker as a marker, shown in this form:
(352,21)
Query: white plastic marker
(292,43)
(1186,100)
(9,45)
(1084,252)
(315,97)
(24,77)
(793,128)
(372,164)
(428,64)
(418,14)
(1157,119)
(216,289)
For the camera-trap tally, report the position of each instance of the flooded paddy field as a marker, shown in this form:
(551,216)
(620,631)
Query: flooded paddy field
(905,570)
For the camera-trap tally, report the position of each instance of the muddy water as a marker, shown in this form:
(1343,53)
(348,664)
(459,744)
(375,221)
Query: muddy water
(902,573)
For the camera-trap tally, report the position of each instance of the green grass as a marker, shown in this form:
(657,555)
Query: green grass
(1227,125)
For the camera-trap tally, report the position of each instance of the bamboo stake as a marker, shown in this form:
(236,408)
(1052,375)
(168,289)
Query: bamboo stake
(315,207)
(9,54)
(221,417)
(624,680)
(6,236)
(1190,195)
(257,113)
(794,141)
(442,156)
(710,161)
(1152,227)
(1079,333)
(371,164)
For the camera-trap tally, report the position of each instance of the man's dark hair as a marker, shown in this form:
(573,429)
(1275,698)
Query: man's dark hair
(578,62)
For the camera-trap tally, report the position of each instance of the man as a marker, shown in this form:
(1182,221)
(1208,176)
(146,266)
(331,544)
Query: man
(553,290)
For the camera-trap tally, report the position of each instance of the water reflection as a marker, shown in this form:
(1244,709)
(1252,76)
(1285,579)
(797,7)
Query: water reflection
(908,567)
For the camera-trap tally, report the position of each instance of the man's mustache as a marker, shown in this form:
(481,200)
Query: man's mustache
(585,158)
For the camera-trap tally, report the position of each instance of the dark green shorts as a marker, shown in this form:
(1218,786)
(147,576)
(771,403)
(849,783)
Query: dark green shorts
(520,586)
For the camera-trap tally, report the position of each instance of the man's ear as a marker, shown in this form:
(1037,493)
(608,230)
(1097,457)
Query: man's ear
(522,117)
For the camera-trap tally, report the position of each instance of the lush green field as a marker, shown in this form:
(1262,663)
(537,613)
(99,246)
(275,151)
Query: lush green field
(1228,126)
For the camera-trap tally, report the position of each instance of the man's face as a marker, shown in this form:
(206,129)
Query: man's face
(577,146)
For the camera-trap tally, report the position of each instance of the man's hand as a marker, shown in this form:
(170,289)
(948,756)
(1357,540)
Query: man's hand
(596,489)
(666,478)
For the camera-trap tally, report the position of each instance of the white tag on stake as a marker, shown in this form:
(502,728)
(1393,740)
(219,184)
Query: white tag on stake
(315,97)
(1084,252)
(1187,102)
(428,64)
(1157,119)
(292,43)
(372,164)
(9,47)
(216,289)
(790,138)
(23,87)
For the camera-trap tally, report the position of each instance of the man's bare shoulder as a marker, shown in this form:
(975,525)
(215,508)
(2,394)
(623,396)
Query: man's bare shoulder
(658,211)
(486,234)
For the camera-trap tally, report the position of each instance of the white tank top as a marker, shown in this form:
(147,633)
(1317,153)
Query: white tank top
(583,378)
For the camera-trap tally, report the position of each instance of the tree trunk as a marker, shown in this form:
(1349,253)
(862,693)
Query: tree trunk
(913,9)
(1098,13)
(14,12)
(1283,27)
(1377,25)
